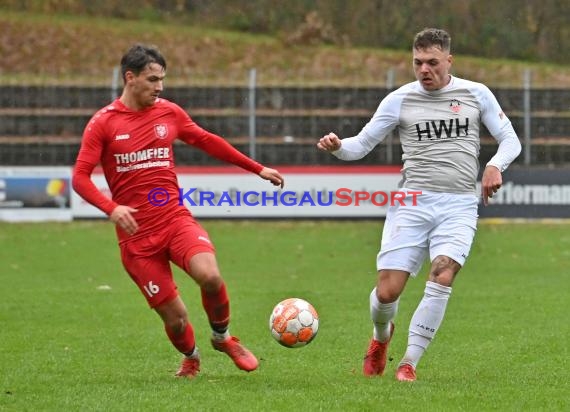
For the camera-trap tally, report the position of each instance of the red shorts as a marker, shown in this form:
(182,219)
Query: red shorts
(147,259)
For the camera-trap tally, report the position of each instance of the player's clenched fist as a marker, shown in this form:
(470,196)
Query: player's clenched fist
(329,143)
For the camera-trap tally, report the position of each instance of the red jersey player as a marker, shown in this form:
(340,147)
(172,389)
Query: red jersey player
(132,139)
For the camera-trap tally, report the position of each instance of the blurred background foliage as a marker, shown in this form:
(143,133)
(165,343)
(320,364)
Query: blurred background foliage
(529,30)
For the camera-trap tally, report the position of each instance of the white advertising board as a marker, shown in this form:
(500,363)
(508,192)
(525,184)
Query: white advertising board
(35,194)
(315,192)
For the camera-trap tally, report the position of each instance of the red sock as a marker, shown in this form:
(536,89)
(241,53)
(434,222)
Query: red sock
(184,342)
(217,307)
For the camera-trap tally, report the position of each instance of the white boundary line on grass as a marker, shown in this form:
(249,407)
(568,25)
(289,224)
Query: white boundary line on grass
(508,221)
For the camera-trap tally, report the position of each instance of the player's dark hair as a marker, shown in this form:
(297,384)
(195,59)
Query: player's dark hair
(138,57)
(430,37)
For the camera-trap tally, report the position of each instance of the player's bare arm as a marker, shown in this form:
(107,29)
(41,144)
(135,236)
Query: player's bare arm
(122,217)
(329,143)
(491,182)
(273,176)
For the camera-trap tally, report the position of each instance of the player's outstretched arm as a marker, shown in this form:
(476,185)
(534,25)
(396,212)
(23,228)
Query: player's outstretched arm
(329,143)
(122,216)
(273,176)
(491,182)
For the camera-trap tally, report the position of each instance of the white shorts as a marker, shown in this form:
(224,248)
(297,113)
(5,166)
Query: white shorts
(439,223)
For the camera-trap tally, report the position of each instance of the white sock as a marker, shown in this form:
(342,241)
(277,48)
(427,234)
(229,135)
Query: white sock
(220,336)
(426,321)
(194,355)
(382,314)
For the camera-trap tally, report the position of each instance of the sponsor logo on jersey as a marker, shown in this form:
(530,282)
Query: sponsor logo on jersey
(161,131)
(122,136)
(455,106)
(142,155)
(443,129)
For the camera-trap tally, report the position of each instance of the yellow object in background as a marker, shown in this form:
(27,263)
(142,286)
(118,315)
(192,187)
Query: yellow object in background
(55,187)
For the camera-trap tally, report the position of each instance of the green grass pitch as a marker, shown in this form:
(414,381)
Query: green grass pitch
(76,334)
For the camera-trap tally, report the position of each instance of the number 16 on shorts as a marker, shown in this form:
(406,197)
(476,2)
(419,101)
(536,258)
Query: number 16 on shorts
(151,289)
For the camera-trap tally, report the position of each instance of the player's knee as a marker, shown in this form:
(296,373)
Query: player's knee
(387,295)
(203,268)
(390,285)
(211,281)
(443,270)
(177,324)
(174,315)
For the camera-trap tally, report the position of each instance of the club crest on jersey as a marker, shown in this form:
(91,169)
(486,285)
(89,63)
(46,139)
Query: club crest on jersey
(161,131)
(455,106)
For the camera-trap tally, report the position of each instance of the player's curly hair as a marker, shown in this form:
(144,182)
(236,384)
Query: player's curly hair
(430,37)
(139,56)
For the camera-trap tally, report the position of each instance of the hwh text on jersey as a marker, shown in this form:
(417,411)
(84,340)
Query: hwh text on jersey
(446,129)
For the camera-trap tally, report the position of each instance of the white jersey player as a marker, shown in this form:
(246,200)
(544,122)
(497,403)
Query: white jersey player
(438,118)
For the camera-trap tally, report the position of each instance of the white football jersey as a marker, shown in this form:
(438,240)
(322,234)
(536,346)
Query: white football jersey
(439,133)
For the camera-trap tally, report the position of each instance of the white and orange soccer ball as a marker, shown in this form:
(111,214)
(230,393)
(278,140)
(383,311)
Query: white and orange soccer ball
(294,322)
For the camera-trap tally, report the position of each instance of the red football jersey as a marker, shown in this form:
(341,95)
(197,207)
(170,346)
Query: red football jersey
(134,149)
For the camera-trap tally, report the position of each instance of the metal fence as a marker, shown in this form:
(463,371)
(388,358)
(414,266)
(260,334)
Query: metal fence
(42,125)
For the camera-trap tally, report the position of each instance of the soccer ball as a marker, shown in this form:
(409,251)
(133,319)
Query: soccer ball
(294,322)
